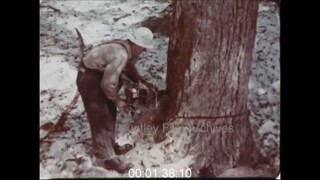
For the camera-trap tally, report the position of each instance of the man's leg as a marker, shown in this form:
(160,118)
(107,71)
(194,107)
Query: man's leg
(102,128)
(113,110)
(101,120)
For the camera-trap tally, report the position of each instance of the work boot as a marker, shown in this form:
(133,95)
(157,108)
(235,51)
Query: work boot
(122,149)
(117,165)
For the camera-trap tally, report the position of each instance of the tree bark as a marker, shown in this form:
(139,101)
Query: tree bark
(209,57)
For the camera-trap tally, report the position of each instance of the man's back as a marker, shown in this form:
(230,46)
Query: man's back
(99,57)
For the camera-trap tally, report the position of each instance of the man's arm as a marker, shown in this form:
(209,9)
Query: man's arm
(110,80)
(132,73)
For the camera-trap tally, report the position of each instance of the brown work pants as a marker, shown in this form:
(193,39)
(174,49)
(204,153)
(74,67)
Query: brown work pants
(100,110)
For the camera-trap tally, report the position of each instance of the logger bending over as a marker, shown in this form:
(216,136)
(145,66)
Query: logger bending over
(98,83)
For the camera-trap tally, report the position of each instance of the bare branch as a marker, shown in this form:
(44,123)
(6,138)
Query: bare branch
(50,7)
(118,18)
(59,126)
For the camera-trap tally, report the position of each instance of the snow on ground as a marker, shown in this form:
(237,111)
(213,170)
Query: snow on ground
(67,154)
(264,85)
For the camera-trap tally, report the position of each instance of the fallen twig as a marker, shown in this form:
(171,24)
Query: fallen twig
(50,7)
(59,126)
(117,19)
(63,118)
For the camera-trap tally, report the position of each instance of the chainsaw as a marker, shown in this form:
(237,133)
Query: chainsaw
(139,94)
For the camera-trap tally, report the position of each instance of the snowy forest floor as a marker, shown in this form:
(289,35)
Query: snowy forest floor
(67,154)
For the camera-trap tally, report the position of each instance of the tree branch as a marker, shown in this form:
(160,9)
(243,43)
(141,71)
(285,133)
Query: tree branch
(118,18)
(50,7)
(59,126)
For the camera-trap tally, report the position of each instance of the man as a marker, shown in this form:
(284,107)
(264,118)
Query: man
(98,84)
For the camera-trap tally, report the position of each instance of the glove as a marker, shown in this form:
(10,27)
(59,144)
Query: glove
(122,105)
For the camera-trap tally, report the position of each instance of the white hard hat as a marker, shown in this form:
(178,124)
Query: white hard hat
(143,37)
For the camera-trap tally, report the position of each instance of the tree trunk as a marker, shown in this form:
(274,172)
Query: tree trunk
(209,57)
